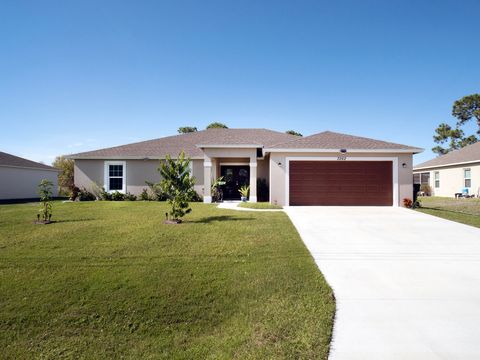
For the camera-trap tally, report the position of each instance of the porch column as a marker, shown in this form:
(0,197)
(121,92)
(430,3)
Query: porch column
(253,179)
(207,180)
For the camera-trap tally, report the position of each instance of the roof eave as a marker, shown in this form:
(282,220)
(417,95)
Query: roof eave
(31,168)
(312,150)
(446,165)
(100,157)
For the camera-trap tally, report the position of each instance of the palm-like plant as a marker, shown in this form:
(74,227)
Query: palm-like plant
(45,192)
(177,185)
(244,190)
(217,193)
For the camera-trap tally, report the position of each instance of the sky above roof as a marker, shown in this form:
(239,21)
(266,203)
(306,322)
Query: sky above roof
(79,76)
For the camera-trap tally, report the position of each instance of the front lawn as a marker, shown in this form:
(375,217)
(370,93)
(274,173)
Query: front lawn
(466,211)
(110,280)
(259,205)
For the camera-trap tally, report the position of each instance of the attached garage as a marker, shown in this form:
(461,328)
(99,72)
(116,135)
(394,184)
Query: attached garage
(341,183)
(19,178)
(333,169)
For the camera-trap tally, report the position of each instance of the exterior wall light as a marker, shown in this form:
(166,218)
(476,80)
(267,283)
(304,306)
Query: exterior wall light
(404,165)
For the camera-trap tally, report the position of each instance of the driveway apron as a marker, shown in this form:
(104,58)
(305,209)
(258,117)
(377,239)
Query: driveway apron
(407,284)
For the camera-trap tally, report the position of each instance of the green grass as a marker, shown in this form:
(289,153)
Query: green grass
(259,205)
(110,280)
(466,211)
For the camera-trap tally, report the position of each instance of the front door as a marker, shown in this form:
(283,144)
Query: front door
(235,176)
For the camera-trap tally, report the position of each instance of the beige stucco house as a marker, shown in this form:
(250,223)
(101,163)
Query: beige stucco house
(452,173)
(19,177)
(322,169)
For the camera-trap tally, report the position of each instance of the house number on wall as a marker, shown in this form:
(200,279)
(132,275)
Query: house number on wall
(341,158)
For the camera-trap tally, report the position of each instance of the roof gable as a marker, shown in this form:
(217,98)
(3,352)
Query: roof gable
(329,140)
(468,154)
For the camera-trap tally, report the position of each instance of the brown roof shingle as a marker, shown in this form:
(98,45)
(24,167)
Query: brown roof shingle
(470,153)
(173,145)
(16,161)
(333,140)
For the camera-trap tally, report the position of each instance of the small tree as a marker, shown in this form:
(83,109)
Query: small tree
(217,125)
(187,129)
(45,192)
(293,132)
(465,109)
(65,178)
(177,185)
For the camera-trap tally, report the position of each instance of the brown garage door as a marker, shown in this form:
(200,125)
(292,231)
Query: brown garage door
(341,183)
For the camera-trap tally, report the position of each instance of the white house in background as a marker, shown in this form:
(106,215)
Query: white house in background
(19,177)
(451,173)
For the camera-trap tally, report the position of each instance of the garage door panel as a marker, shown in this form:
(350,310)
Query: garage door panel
(341,183)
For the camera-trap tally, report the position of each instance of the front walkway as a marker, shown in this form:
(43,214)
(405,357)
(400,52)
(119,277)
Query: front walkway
(233,205)
(407,284)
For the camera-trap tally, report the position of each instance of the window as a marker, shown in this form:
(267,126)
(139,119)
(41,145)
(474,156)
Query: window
(467,178)
(421,178)
(437,179)
(425,178)
(416,178)
(115,176)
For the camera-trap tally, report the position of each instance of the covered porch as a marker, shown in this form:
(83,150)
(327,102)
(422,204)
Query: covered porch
(238,166)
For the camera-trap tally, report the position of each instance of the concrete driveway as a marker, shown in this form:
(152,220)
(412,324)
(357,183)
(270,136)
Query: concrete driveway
(407,284)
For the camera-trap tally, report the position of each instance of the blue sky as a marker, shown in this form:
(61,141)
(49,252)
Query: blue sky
(82,75)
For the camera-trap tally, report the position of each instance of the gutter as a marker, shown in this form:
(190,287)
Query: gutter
(31,168)
(74,157)
(346,151)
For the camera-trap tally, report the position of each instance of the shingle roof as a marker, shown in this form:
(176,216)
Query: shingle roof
(12,160)
(173,145)
(470,153)
(332,140)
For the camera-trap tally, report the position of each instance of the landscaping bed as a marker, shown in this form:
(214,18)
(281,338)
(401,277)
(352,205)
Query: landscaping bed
(466,211)
(110,280)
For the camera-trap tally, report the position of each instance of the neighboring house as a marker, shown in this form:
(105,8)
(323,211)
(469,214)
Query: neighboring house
(323,169)
(450,173)
(19,177)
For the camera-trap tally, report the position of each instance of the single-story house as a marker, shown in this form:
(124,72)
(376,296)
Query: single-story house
(451,173)
(19,177)
(323,169)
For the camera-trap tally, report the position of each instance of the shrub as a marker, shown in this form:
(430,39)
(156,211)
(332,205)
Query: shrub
(408,203)
(216,189)
(144,195)
(85,195)
(74,193)
(117,196)
(156,192)
(130,197)
(417,204)
(426,189)
(105,195)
